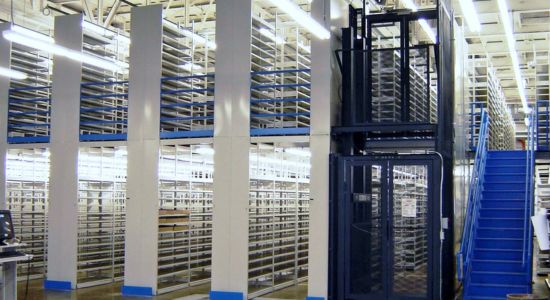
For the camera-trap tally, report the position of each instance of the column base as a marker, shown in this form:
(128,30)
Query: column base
(221,295)
(128,290)
(58,285)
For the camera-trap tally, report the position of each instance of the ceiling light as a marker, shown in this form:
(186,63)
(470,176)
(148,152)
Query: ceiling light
(196,38)
(63,51)
(268,34)
(507,23)
(302,18)
(5,72)
(470,14)
(31,33)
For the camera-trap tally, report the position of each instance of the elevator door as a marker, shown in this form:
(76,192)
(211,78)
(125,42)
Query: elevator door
(388,220)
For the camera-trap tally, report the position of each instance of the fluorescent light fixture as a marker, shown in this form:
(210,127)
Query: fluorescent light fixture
(105,32)
(470,14)
(302,18)
(507,23)
(5,72)
(190,67)
(204,150)
(429,31)
(298,152)
(33,34)
(196,38)
(28,41)
(268,34)
(423,23)
(305,47)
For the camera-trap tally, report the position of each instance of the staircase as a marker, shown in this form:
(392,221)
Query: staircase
(497,265)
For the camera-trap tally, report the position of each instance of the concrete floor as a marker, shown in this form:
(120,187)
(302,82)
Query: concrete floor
(112,292)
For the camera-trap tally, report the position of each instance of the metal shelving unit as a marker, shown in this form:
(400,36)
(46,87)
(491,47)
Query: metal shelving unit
(185,217)
(280,75)
(29,99)
(187,85)
(27,173)
(101,215)
(103,93)
(542,201)
(486,91)
(278,220)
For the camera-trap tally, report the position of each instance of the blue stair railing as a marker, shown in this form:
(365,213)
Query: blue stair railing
(464,256)
(529,196)
(476,110)
(542,124)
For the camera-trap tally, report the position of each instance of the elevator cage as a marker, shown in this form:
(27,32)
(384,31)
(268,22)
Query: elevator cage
(396,126)
(389,64)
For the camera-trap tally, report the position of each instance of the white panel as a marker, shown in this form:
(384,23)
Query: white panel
(5,55)
(231,145)
(143,147)
(62,212)
(324,80)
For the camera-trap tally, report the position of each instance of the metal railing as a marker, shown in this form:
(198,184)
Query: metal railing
(476,110)
(529,195)
(464,256)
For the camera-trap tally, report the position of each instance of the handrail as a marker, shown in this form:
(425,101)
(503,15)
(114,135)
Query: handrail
(529,193)
(474,199)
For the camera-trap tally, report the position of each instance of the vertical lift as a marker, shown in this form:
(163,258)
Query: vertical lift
(391,178)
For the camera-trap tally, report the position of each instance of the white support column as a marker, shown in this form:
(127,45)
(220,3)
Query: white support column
(5,61)
(65,122)
(232,147)
(142,203)
(324,81)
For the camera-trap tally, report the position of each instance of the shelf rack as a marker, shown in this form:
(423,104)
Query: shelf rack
(542,95)
(280,74)
(278,219)
(543,125)
(103,93)
(542,201)
(29,99)
(485,88)
(185,217)
(27,173)
(187,85)
(101,215)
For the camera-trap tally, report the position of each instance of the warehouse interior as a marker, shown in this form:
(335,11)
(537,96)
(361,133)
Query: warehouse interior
(274,149)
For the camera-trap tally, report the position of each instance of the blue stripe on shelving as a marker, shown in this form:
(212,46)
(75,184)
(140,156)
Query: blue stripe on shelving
(207,103)
(28,139)
(180,91)
(221,295)
(276,100)
(103,137)
(57,285)
(279,131)
(186,134)
(128,290)
(198,118)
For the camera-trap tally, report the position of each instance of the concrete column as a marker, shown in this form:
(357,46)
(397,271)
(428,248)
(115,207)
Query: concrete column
(65,122)
(5,61)
(231,145)
(142,203)
(324,82)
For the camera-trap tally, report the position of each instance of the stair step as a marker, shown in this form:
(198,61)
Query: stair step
(499,243)
(511,161)
(497,265)
(513,278)
(502,222)
(499,195)
(496,169)
(504,186)
(498,254)
(503,178)
(502,204)
(502,213)
(489,232)
(507,154)
(495,290)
